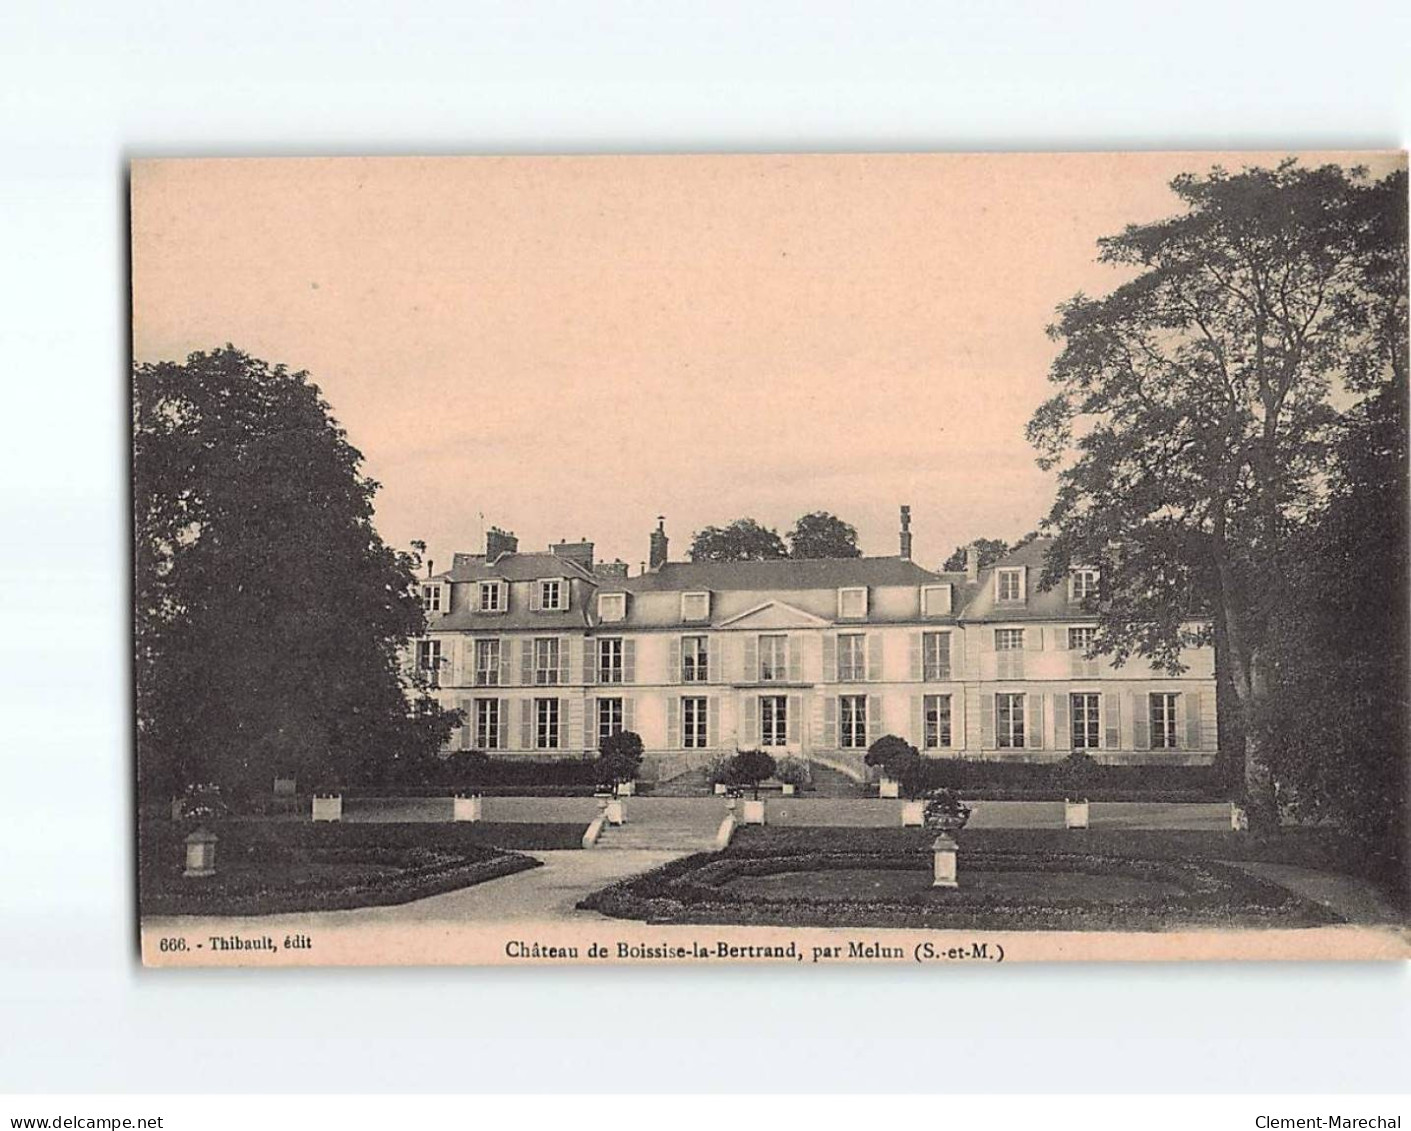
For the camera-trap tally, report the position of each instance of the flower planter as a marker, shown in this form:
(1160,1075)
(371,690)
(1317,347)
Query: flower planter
(616,812)
(328,807)
(467,808)
(888,788)
(753,812)
(201,853)
(1239,819)
(1075,814)
(721,789)
(788,790)
(627,789)
(913,814)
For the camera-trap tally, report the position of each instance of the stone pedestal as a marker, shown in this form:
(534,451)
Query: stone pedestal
(467,808)
(944,852)
(615,812)
(201,853)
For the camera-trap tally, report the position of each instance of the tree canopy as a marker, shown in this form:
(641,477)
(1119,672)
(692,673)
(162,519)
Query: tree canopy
(990,550)
(822,535)
(743,540)
(270,616)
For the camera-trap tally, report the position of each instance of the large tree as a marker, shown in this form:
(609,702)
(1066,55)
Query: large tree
(270,618)
(1199,402)
(822,535)
(743,540)
(988,551)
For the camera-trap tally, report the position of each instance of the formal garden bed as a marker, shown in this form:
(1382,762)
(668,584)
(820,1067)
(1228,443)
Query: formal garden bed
(1009,880)
(269,866)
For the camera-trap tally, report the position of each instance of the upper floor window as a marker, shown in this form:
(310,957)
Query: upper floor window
(1009,639)
(1009,585)
(935,656)
(492,597)
(695,659)
(852,657)
(553,594)
(935,600)
(773,658)
(431,599)
(1080,638)
(852,603)
(546,659)
(1082,584)
(610,660)
(695,606)
(612,606)
(487,663)
(428,654)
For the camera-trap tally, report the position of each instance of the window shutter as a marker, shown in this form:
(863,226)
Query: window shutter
(918,722)
(1062,740)
(830,660)
(1111,720)
(1034,638)
(526,661)
(874,658)
(592,733)
(590,660)
(565,594)
(713,735)
(534,596)
(830,723)
(467,727)
(629,714)
(1194,706)
(629,661)
(674,676)
(526,724)
(751,660)
(1141,721)
(563,736)
(795,720)
(1034,722)
(501,735)
(564,648)
(987,722)
(1023,583)
(575,723)
(795,647)
(953,655)
(751,709)
(1180,720)
(874,718)
(673,723)
(914,648)
(506,663)
(715,659)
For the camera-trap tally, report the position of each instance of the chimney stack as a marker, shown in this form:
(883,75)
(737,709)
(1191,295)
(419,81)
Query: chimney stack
(499,542)
(972,563)
(580,552)
(905,533)
(659,541)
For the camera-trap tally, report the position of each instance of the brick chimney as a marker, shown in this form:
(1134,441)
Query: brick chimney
(615,568)
(659,541)
(972,563)
(499,542)
(905,533)
(580,552)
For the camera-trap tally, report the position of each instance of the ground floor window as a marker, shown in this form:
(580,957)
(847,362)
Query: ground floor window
(693,722)
(1086,723)
(1009,720)
(937,711)
(852,721)
(1163,720)
(609,719)
(773,720)
(546,724)
(487,724)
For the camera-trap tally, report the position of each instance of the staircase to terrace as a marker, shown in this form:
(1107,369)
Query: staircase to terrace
(665,824)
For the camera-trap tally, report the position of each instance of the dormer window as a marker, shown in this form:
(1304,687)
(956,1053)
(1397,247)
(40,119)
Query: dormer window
(553,595)
(695,606)
(492,597)
(935,600)
(1009,584)
(1082,584)
(434,599)
(852,603)
(612,606)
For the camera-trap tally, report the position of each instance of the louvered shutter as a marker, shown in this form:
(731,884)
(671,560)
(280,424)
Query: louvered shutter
(500,736)
(914,652)
(565,595)
(629,714)
(1194,706)
(590,661)
(1034,638)
(954,656)
(1180,735)
(506,662)
(673,723)
(830,660)
(715,660)
(713,735)
(674,675)
(467,727)
(1062,740)
(1023,583)
(526,662)
(629,661)
(751,660)
(1034,721)
(576,739)
(1141,720)
(526,724)
(874,656)
(918,721)
(795,646)
(534,597)
(565,647)
(987,722)
(795,720)
(1111,721)
(830,723)
(591,735)
(750,705)
(874,718)
(563,735)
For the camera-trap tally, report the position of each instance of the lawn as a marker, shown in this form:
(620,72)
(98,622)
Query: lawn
(1011,879)
(268,866)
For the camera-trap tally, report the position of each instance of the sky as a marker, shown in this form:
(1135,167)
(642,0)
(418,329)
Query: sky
(570,347)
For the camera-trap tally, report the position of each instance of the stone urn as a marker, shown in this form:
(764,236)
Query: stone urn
(945,814)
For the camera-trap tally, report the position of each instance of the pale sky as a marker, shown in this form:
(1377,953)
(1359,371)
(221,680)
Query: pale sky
(572,346)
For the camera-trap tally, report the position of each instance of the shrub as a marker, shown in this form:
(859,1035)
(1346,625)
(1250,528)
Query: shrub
(1077,774)
(717,769)
(886,750)
(792,771)
(749,768)
(619,759)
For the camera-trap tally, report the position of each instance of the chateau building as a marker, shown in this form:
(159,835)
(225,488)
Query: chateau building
(548,653)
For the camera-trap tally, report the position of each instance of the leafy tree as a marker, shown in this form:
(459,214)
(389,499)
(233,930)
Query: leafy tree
(990,551)
(619,759)
(902,763)
(822,535)
(744,540)
(270,618)
(749,768)
(1196,409)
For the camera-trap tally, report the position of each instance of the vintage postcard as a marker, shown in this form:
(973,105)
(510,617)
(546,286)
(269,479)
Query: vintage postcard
(921,559)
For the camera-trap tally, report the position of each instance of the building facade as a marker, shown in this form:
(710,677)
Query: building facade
(549,653)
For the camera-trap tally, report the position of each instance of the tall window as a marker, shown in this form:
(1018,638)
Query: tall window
(773,658)
(546,724)
(852,721)
(428,655)
(551,594)
(935,656)
(546,660)
(491,597)
(487,724)
(852,657)
(610,660)
(1163,720)
(609,719)
(1081,639)
(487,663)
(773,720)
(693,722)
(1086,722)
(1009,639)
(1009,721)
(937,719)
(1083,583)
(695,662)
(1009,585)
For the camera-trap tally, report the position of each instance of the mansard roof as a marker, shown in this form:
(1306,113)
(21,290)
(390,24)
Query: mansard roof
(513,567)
(785,575)
(1038,604)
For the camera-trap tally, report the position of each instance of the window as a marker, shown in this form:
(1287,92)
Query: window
(551,595)
(773,658)
(1082,584)
(487,724)
(546,724)
(773,720)
(1009,640)
(852,603)
(1163,720)
(936,710)
(612,606)
(487,663)
(693,722)
(695,606)
(1009,585)
(492,597)
(609,719)
(546,660)
(431,598)
(852,657)
(935,600)
(852,721)
(1086,724)
(610,660)
(1009,721)
(935,656)
(1081,639)
(428,655)
(695,659)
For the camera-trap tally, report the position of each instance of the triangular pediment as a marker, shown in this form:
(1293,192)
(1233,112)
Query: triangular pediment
(774,615)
